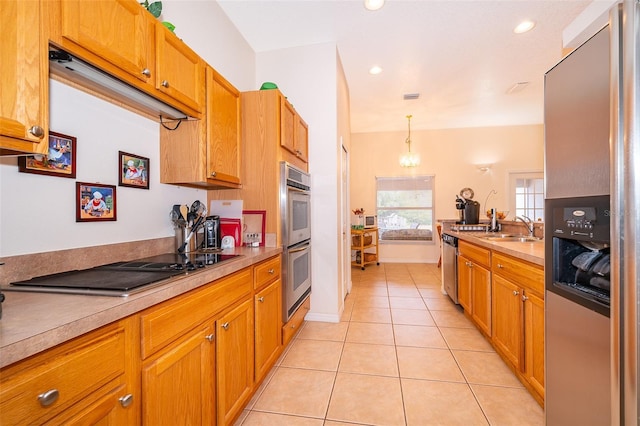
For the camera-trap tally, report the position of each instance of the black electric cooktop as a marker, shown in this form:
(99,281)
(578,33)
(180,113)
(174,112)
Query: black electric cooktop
(121,278)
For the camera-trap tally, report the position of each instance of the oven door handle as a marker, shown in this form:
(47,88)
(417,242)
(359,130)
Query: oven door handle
(300,190)
(296,250)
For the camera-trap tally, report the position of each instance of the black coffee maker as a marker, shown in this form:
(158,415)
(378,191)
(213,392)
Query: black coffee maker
(468,211)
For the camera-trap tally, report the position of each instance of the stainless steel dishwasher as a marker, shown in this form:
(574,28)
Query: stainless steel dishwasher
(450,266)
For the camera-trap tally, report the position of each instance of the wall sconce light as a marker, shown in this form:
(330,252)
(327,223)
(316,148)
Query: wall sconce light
(484,167)
(409,159)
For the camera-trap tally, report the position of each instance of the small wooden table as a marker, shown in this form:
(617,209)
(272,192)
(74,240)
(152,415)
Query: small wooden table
(364,242)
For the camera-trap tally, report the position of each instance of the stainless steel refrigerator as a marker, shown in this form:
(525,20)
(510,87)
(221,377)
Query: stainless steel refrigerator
(592,228)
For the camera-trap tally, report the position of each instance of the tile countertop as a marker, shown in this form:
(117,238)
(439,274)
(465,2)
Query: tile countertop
(33,322)
(531,252)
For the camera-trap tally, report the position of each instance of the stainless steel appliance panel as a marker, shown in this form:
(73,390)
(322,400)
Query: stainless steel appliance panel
(297,277)
(450,266)
(625,193)
(578,368)
(576,122)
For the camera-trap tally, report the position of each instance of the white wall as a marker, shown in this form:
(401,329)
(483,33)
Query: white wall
(37,213)
(452,155)
(307,76)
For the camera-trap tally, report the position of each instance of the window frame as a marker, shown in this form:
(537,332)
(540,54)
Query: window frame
(513,177)
(432,241)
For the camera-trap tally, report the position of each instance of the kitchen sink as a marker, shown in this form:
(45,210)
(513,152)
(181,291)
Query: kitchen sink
(511,238)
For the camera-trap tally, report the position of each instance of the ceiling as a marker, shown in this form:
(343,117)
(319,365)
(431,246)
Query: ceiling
(461,57)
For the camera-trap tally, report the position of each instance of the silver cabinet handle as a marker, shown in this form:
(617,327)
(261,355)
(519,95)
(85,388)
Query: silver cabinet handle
(165,84)
(261,299)
(271,271)
(126,400)
(516,292)
(524,298)
(500,265)
(225,325)
(36,131)
(213,174)
(146,72)
(49,397)
(210,337)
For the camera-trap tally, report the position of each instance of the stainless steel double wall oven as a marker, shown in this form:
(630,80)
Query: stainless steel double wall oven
(295,209)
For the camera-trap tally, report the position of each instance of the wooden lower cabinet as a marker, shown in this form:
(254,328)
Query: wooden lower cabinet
(234,353)
(474,284)
(179,383)
(518,318)
(195,359)
(90,379)
(268,341)
(534,342)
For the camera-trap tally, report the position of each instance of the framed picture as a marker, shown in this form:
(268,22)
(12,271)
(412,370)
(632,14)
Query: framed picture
(60,160)
(95,202)
(134,170)
(253,222)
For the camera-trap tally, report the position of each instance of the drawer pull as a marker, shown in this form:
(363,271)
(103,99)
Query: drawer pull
(516,292)
(49,397)
(126,400)
(524,298)
(261,299)
(165,84)
(210,337)
(500,265)
(36,131)
(146,72)
(271,271)
(225,325)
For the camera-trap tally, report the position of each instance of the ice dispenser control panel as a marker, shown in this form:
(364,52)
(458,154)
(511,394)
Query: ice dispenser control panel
(581,223)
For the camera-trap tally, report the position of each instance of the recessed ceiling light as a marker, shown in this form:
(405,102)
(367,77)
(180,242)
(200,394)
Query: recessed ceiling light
(373,4)
(524,26)
(375,70)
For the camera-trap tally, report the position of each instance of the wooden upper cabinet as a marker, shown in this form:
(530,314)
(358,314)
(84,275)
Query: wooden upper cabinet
(119,31)
(287,125)
(24,91)
(302,139)
(294,132)
(223,129)
(180,71)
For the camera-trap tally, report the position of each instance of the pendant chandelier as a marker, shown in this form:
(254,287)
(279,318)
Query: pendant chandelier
(409,159)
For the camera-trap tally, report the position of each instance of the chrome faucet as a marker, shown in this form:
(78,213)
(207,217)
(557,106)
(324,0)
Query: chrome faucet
(528,222)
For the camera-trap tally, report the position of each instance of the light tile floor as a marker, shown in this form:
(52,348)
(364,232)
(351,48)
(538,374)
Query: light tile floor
(403,354)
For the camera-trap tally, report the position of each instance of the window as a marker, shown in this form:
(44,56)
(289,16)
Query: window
(527,192)
(405,208)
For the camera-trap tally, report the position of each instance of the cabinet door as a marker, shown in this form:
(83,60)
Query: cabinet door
(223,129)
(534,341)
(302,140)
(507,319)
(178,385)
(118,31)
(180,71)
(287,125)
(24,91)
(464,283)
(268,328)
(481,297)
(234,354)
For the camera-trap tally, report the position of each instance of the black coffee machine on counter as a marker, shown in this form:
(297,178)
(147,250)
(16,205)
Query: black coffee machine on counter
(468,211)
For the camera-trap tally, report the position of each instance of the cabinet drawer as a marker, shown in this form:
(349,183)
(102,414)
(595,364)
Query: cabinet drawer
(170,320)
(475,253)
(519,272)
(266,272)
(72,372)
(295,322)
